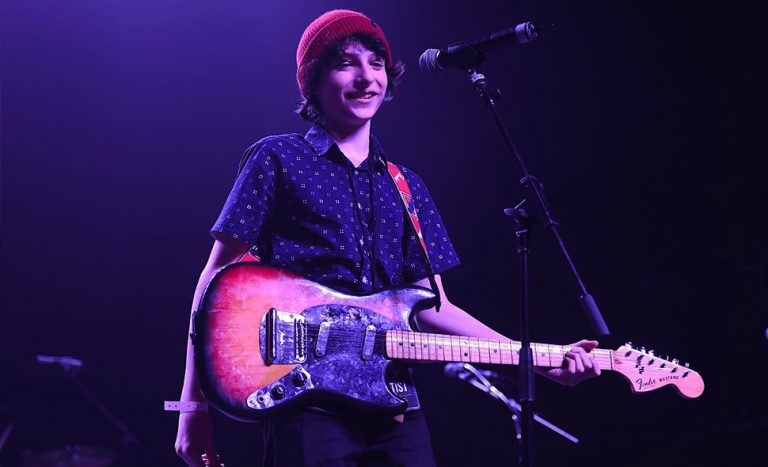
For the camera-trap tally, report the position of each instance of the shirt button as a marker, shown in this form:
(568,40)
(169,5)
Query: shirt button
(359,206)
(362,242)
(365,280)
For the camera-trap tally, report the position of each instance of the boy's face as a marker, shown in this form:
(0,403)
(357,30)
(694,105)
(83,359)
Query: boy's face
(352,89)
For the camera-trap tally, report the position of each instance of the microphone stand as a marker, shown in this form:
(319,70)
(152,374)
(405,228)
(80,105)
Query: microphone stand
(481,382)
(533,193)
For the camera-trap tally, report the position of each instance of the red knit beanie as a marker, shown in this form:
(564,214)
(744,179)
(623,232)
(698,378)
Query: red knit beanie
(328,29)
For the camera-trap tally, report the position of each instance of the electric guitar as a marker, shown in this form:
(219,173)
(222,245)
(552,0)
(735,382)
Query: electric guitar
(266,339)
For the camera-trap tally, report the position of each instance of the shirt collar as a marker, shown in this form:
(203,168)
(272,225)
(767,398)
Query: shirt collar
(322,142)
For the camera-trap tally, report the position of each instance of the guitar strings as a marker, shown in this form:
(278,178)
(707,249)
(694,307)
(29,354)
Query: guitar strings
(340,336)
(416,351)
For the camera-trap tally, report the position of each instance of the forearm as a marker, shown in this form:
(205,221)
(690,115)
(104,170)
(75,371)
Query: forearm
(453,320)
(190,390)
(224,252)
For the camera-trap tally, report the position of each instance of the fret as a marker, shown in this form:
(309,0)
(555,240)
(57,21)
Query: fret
(515,349)
(435,350)
(495,356)
(464,349)
(441,344)
(506,353)
(424,346)
(543,355)
(455,349)
(397,344)
(411,346)
(417,345)
(474,349)
(403,344)
(550,351)
(420,347)
(485,355)
(540,355)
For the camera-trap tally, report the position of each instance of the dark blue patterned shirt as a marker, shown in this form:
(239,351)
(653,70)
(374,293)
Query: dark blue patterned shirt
(306,208)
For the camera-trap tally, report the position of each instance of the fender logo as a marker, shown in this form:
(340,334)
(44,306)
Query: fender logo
(641,384)
(652,382)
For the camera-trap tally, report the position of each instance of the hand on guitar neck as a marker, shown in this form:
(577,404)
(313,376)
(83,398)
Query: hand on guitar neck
(578,365)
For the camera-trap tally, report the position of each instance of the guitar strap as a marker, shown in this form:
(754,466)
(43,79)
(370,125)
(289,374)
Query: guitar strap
(410,207)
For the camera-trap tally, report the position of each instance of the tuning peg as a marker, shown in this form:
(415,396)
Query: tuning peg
(650,352)
(675,361)
(686,365)
(629,344)
(642,349)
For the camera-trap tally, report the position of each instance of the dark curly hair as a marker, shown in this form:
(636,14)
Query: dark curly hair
(309,107)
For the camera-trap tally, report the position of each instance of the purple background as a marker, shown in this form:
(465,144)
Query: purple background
(122,126)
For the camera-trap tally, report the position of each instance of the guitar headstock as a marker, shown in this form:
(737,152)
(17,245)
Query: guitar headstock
(647,372)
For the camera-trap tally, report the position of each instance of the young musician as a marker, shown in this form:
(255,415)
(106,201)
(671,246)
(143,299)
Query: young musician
(325,206)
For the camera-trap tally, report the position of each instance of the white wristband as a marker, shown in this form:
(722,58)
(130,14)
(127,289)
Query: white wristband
(185,406)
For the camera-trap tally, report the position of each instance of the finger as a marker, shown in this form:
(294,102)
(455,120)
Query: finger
(586,360)
(576,355)
(596,368)
(570,363)
(587,345)
(579,362)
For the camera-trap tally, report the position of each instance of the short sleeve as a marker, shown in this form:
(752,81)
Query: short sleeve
(251,199)
(441,252)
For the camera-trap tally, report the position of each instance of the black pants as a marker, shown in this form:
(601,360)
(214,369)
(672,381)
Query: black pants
(312,438)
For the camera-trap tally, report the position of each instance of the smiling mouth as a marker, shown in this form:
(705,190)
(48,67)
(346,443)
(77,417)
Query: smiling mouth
(362,96)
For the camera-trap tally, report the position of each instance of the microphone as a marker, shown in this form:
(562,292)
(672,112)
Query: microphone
(459,371)
(66,362)
(466,55)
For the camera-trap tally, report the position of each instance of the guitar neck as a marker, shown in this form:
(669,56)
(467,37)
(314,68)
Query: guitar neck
(420,346)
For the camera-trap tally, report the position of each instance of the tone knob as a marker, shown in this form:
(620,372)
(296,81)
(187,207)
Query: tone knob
(278,392)
(299,379)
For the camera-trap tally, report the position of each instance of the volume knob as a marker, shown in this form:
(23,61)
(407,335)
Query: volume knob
(278,392)
(299,379)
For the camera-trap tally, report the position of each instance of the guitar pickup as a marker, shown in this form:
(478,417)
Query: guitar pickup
(368,341)
(283,337)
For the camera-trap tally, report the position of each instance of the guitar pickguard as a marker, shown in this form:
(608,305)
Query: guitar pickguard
(344,356)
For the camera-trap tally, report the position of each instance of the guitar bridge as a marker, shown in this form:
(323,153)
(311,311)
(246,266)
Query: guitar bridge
(283,337)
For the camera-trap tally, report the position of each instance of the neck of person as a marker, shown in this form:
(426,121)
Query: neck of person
(353,140)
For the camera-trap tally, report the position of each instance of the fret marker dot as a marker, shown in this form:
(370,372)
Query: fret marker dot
(466,354)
